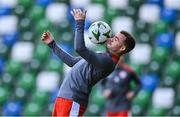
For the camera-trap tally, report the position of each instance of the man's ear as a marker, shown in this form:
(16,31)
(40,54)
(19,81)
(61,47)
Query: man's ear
(123,48)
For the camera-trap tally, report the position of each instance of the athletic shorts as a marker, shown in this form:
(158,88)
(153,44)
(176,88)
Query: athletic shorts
(67,107)
(119,114)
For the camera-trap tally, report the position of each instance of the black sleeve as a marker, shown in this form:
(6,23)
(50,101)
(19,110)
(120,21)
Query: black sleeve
(64,56)
(137,81)
(90,56)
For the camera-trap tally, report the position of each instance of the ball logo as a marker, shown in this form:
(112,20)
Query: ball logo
(99,32)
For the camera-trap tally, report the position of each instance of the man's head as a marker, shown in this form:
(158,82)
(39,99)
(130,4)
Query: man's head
(121,43)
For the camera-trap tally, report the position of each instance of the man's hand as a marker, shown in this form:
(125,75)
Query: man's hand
(130,95)
(47,37)
(107,93)
(79,14)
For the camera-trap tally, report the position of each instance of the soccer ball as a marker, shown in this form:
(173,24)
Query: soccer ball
(99,32)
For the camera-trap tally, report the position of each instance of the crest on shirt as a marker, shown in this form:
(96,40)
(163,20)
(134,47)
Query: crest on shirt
(123,74)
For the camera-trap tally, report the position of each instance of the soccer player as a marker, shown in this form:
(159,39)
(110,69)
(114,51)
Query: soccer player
(118,92)
(87,69)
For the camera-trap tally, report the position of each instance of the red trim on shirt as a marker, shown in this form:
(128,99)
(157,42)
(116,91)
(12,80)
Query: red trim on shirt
(115,58)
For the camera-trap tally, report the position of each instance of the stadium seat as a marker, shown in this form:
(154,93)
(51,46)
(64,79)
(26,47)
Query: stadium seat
(5,10)
(43,25)
(147,9)
(136,3)
(8,3)
(24,24)
(157,2)
(43,3)
(168,15)
(177,41)
(26,3)
(20,94)
(12,108)
(154,111)
(136,67)
(93,109)
(22,51)
(160,27)
(32,109)
(111,13)
(175,110)
(14,67)
(28,36)
(40,98)
(47,81)
(2,66)
(103,2)
(37,13)
(7,81)
(55,65)
(41,52)
(59,16)
(113,4)
(122,23)
(19,10)
(95,12)
(137,110)
(79,3)
(160,54)
(3,50)
(169,81)
(173,69)
(155,67)
(4,94)
(142,99)
(177,24)
(161,101)
(172,4)
(139,50)
(27,81)
(165,40)
(98,98)
(8,24)
(149,82)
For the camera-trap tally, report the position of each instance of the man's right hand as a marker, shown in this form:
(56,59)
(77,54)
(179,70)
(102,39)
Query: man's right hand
(107,93)
(47,37)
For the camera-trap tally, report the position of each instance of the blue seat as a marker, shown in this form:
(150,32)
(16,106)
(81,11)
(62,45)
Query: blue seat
(149,82)
(2,65)
(10,39)
(168,15)
(158,2)
(43,3)
(5,10)
(165,40)
(12,108)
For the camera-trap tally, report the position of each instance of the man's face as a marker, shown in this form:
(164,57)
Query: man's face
(116,43)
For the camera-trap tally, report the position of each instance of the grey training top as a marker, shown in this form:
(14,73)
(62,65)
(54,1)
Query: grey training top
(86,70)
(119,83)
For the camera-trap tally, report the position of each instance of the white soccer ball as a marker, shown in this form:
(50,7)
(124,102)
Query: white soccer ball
(99,32)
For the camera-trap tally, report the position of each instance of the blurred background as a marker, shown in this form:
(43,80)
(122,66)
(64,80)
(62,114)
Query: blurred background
(30,74)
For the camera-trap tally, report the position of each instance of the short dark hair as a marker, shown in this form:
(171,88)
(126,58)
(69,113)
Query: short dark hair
(129,42)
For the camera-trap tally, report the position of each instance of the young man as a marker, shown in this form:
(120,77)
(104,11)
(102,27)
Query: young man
(87,69)
(118,92)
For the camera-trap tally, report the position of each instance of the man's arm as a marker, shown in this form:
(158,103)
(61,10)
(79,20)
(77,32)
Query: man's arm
(64,56)
(134,92)
(81,49)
